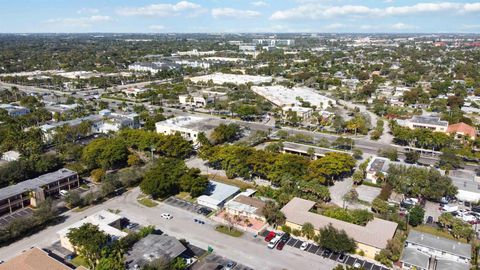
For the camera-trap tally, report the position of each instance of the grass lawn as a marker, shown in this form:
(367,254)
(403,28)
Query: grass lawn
(78,261)
(437,232)
(232,232)
(147,202)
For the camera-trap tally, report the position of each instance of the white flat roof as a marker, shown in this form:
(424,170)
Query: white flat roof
(218,192)
(102,219)
(221,78)
(283,96)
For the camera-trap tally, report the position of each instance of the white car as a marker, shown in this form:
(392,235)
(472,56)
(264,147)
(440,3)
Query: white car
(304,246)
(166,216)
(357,265)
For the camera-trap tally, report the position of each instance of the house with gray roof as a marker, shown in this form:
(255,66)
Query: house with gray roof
(154,247)
(428,251)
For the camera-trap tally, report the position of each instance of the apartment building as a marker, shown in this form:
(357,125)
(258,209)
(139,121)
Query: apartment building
(428,122)
(34,191)
(424,251)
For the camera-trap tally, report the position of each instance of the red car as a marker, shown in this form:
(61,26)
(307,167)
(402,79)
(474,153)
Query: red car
(281,244)
(270,236)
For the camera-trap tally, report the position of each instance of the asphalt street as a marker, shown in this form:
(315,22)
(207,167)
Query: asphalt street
(248,250)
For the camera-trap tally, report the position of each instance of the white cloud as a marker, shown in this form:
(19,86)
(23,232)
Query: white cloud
(319,11)
(234,13)
(402,26)
(161,10)
(88,11)
(260,3)
(82,22)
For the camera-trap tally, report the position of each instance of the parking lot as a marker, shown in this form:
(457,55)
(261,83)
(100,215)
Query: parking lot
(348,260)
(213,260)
(22,213)
(186,205)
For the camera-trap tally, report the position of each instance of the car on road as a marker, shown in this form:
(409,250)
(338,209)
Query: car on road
(230,265)
(304,246)
(270,236)
(166,216)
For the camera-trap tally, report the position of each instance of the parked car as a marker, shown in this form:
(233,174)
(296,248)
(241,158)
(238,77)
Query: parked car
(304,246)
(342,258)
(429,220)
(230,265)
(281,244)
(204,211)
(357,265)
(166,216)
(270,236)
(327,253)
(219,267)
(274,242)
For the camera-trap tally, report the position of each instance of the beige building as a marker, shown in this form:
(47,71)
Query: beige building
(370,238)
(246,206)
(106,221)
(34,259)
(432,123)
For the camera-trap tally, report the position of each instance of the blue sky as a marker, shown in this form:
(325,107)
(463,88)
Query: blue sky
(396,16)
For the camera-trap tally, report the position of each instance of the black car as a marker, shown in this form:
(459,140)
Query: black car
(285,237)
(327,253)
(342,258)
(204,211)
(219,267)
(429,220)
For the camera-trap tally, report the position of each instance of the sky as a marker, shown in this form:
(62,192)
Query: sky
(252,16)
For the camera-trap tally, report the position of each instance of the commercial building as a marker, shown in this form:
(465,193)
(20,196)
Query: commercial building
(370,238)
(193,63)
(188,126)
(217,194)
(221,78)
(301,112)
(34,259)
(11,156)
(153,67)
(273,42)
(197,99)
(462,130)
(104,122)
(134,92)
(428,122)
(36,190)
(14,110)
(303,149)
(194,52)
(106,221)
(154,247)
(282,96)
(424,251)
(60,108)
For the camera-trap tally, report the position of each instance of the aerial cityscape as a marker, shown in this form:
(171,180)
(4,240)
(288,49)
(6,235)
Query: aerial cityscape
(210,135)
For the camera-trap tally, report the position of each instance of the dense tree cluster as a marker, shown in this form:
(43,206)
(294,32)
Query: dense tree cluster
(27,168)
(356,216)
(169,176)
(418,182)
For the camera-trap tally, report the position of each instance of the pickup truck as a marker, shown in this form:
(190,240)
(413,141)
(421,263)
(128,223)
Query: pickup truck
(274,241)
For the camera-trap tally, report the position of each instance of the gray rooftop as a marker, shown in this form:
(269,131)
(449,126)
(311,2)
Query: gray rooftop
(429,120)
(219,191)
(451,265)
(153,247)
(35,183)
(439,243)
(303,148)
(415,257)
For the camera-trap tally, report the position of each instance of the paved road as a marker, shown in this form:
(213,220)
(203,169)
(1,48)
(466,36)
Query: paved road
(248,250)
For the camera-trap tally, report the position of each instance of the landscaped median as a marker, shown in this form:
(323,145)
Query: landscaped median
(228,230)
(147,202)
